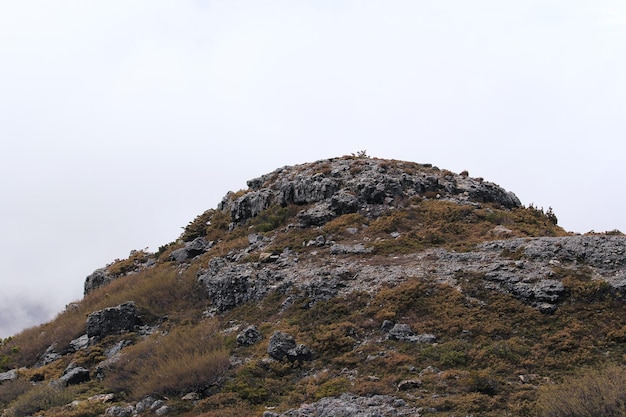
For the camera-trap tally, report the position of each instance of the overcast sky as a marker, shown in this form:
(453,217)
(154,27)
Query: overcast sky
(120,121)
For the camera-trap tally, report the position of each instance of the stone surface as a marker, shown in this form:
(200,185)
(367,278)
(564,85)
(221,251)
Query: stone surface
(283,346)
(119,411)
(249,336)
(345,186)
(113,320)
(80,343)
(349,405)
(8,376)
(196,247)
(75,376)
(97,279)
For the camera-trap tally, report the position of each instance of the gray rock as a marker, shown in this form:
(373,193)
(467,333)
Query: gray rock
(196,247)
(119,411)
(157,404)
(229,284)
(162,410)
(80,343)
(249,336)
(49,356)
(357,249)
(283,346)
(339,186)
(146,404)
(192,396)
(349,405)
(98,278)
(404,333)
(113,320)
(75,376)
(8,376)
(401,332)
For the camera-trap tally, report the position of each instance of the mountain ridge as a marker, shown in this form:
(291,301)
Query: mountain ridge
(355,283)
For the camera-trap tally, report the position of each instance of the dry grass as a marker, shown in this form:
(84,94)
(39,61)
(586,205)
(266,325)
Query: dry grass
(186,359)
(588,393)
(159,292)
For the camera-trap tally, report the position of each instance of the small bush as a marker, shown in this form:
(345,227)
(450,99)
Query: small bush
(11,390)
(189,358)
(591,393)
(41,398)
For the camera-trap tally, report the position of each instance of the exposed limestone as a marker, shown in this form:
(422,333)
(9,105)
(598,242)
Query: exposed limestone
(113,320)
(249,336)
(341,186)
(350,405)
(97,279)
(191,249)
(283,346)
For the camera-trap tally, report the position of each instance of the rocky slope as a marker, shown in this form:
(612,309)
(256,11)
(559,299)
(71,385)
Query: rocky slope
(351,286)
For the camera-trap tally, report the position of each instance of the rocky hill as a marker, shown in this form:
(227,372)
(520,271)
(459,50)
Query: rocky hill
(351,286)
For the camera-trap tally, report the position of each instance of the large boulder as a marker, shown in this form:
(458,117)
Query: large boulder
(196,247)
(283,346)
(249,336)
(75,375)
(97,279)
(113,320)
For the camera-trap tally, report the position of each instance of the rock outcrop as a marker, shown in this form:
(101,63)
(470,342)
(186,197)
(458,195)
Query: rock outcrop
(339,186)
(350,405)
(113,320)
(283,346)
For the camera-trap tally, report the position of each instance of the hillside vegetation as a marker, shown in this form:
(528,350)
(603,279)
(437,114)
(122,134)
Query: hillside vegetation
(425,291)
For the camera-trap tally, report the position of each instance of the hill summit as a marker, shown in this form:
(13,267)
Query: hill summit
(349,286)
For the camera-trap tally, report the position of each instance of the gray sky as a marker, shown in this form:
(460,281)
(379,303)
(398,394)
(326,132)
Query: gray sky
(120,121)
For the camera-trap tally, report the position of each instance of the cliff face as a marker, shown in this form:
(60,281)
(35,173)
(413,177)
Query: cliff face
(348,286)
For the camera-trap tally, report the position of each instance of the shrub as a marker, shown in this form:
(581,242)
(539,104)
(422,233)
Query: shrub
(590,393)
(41,398)
(189,358)
(11,390)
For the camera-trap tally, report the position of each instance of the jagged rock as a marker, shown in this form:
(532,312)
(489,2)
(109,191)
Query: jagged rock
(347,186)
(196,247)
(229,284)
(75,376)
(283,346)
(249,336)
(146,404)
(349,405)
(119,411)
(8,376)
(49,356)
(113,320)
(403,332)
(80,343)
(97,279)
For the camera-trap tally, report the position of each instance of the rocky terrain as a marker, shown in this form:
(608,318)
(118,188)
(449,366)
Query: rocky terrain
(351,286)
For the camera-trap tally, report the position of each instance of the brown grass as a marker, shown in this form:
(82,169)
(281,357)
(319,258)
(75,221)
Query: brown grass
(186,359)
(588,393)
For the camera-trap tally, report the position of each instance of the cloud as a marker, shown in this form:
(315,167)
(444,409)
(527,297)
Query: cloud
(22,310)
